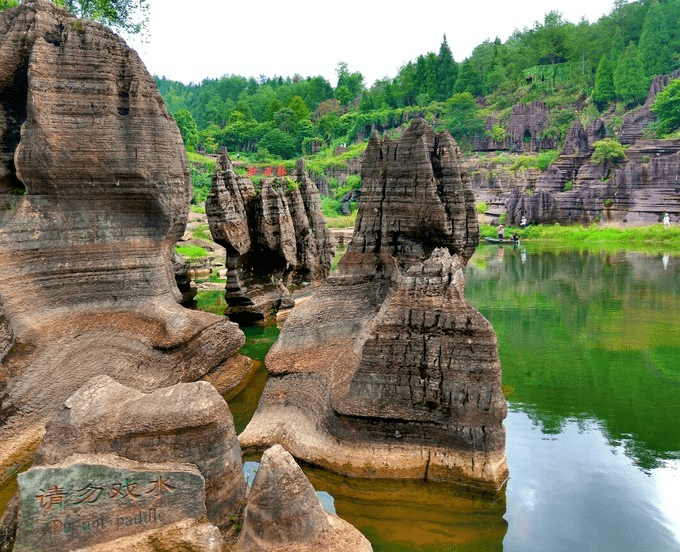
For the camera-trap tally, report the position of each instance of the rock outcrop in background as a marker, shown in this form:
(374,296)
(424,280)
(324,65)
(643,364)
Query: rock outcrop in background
(636,190)
(387,371)
(94,192)
(275,236)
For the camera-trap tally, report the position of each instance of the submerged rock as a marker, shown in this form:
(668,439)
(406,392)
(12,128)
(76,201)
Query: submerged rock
(283,513)
(275,236)
(387,371)
(94,192)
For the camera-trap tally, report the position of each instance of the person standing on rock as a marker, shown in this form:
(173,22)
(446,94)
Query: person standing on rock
(523,224)
(501,231)
(666,220)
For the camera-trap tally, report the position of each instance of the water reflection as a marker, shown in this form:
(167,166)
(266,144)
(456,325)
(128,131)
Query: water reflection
(576,492)
(399,515)
(584,335)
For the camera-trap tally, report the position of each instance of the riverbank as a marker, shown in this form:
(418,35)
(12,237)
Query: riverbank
(649,239)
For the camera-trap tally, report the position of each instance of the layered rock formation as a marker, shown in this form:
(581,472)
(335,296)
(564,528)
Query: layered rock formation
(275,236)
(636,190)
(285,514)
(387,371)
(94,192)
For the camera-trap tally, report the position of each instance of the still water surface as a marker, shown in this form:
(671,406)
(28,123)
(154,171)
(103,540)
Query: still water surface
(590,347)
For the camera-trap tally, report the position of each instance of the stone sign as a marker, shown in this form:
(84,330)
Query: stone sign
(89,499)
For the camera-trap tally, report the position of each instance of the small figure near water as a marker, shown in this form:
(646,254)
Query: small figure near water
(501,231)
(523,223)
(666,220)
(515,240)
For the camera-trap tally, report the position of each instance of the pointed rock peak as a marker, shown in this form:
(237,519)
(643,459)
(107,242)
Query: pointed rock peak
(300,166)
(282,505)
(223,161)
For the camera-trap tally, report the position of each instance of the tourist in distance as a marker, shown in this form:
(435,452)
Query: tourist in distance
(666,220)
(501,231)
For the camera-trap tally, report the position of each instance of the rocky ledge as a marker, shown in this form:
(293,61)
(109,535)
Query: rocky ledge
(387,371)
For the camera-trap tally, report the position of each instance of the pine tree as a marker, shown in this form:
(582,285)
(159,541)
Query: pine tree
(447,72)
(617,47)
(654,51)
(603,92)
(468,80)
(630,83)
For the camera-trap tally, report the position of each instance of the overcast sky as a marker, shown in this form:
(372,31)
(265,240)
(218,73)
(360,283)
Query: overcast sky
(191,41)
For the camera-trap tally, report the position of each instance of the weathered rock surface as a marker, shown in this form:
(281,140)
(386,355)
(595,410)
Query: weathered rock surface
(91,499)
(94,192)
(187,535)
(387,371)
(524,131)
(187,422)
(284,513)
(274,236)
(637,190)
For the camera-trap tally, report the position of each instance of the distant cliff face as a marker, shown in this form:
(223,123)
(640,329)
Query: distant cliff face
(387,371)
(275,236)
(94,192)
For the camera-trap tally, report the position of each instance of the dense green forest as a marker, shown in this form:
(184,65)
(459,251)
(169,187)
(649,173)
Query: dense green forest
(578,70)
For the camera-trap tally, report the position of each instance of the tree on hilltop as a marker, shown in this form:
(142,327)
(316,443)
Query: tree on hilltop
(130,16)
(653,48)
(630,83)
(603,92)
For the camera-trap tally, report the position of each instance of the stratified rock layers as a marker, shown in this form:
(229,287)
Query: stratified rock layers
(387,371)
(274,236)
(94,192)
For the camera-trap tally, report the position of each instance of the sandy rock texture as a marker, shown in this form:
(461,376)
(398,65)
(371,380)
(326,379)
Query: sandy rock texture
(284,514)
(387,371)
(94,192)
(274,235)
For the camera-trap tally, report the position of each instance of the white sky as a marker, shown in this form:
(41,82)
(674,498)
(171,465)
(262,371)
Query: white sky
(190,41)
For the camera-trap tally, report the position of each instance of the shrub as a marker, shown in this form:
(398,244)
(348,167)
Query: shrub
(481,207)
(608,150)
(568,185)
(545,158)
(608,202)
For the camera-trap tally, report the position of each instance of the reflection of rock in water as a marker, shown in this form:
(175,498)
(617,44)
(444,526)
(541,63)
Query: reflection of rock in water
(275,236)
(419,514)
(94,190)
(387,371)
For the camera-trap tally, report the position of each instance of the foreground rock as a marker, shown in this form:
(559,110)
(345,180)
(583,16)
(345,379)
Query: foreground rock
(90,499)
(387,371)
(284,513)
(184,423)
(275,236)
(94,192)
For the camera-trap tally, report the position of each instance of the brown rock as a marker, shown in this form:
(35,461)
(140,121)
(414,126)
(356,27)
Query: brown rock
(187,535)
(94,192)
(284,514)
(183,423)
(274,237)
(387,371)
